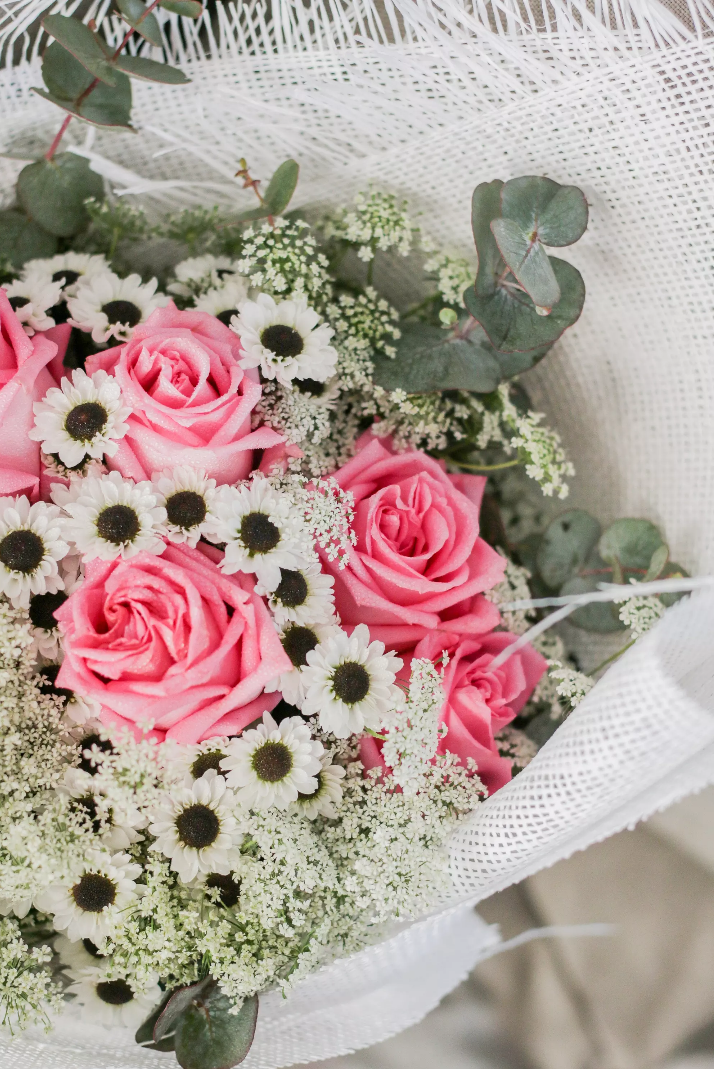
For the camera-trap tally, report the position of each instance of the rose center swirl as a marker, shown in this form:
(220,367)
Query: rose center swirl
(258,533)
(228,888)
(272,761)
(125,312)
(297,643)
(198,826)
(282,340)
(85,421)
(94,892)
(350,682)
(115,992)
(206,761)
(43,607)
(118,523)
(292,590)
(186,509)
(22,551)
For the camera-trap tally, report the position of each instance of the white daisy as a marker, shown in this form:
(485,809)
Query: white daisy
(30,546)
(95,901)
(19,906)
(304,595)
(111,307)
(85,417)
(223,301)
(350,684)
(200,273)
(31,297)
(46,637)
(195,827)
(111,517)
(119,827)
(298,640)
(188,496)
(260,531)
(190,762)
(79,710)
(70,269)
(272,764)
(80,954)
(328,794)
(284,340)
(104,999)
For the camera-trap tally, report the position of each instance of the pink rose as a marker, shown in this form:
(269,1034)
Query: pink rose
(419,563)
(24,379)
(480,700)
(173,640)
(191,402)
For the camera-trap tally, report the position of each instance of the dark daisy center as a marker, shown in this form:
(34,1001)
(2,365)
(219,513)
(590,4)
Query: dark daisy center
(86,421)
(186,509)
(43,607)
(225,317)
(22,551)
(94,892)
(292,590)
(118,523)
(350,682)
(311,387)
(258,534)
(125,312)
(282,340)
(198,826)
(92,948)
(272,761)
(297,643)
(70,277)
(115,992)
(18,302)
(206,761)
(86,763)
(48,681)
(228,888)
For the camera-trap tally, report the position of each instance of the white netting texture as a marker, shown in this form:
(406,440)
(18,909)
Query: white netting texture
(427,99)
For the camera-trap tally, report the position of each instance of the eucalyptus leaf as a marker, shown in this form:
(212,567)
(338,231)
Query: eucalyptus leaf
(528,261)
(428,360)
(485,207)
(53,192)
(250,215)
(514,363)
(566,545)
(631,542)
(134,10)
(511,320)
(66,80)
(79,40)
(657,562)
(209,1036)
(281,187)
(556,215)
(145,1033)
(190,9)
(176,1004)
(672,570)
(150,71)
(21,239)
(599,616)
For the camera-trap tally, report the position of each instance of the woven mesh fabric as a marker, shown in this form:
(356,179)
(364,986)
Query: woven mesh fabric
(427,99)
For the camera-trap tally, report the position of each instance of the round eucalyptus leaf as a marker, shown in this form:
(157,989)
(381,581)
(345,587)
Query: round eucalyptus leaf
(528,261)
(485,207)
(209,1036)
(66,80)
(21,239)
(631,542)
(151,71)
(145,1032)
(53,192)
(134,12)
(600,616)
(190,9)
(85,46)
(566,545)
(281,187)
(557,215)
(428,360)
(514,363)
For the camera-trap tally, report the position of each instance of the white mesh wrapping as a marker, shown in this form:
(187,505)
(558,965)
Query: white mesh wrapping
(427,100)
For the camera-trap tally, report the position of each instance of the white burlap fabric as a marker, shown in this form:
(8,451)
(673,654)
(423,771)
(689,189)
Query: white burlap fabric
(428,99)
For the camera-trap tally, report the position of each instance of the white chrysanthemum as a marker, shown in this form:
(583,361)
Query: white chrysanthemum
(188,496)
(112,1002)
(284,340)
(350,684)
(260,530)
(223,301)
(79,710)
(186,763)
(304,595)
(85,417)
(31,297)
(80,954)
(272,764)
(200,273)
(31,544)
(328,794)
(70,269)
(96,900)
(298,640)
(46,637)
(196,828)
(111,307)
(119,827)
(19,906)
(111,517)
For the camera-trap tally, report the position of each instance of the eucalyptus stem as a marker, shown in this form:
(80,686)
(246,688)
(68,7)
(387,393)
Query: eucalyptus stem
(612,658)
(487,467)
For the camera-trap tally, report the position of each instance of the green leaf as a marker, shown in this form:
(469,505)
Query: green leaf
(631,542)
(428,360)
(66,80)
(52,192)
(190,9)
(528,261)
(515,363)
(79,40)
(209,1036)
(281,187)
(566,545)
(21,239)
(657,563)
(132,11)
(556,215)
(671,571)
(177,1002)
(512,322)
(250,215)
(145,1033)
(485,207)
(600,616)
(150,71)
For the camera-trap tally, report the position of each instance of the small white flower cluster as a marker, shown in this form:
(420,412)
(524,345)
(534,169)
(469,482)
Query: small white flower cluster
(327,511)
(27,994)
(641,614)
(539,447)
(515,745)
(363,324)
(453,274)
(377,221)
(412,741)
(572,684)
(281,259)
(513,587)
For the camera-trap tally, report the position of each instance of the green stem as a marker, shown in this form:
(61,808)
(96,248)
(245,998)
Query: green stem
(612,658)
(487,467)
(418,307)
(375,734)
